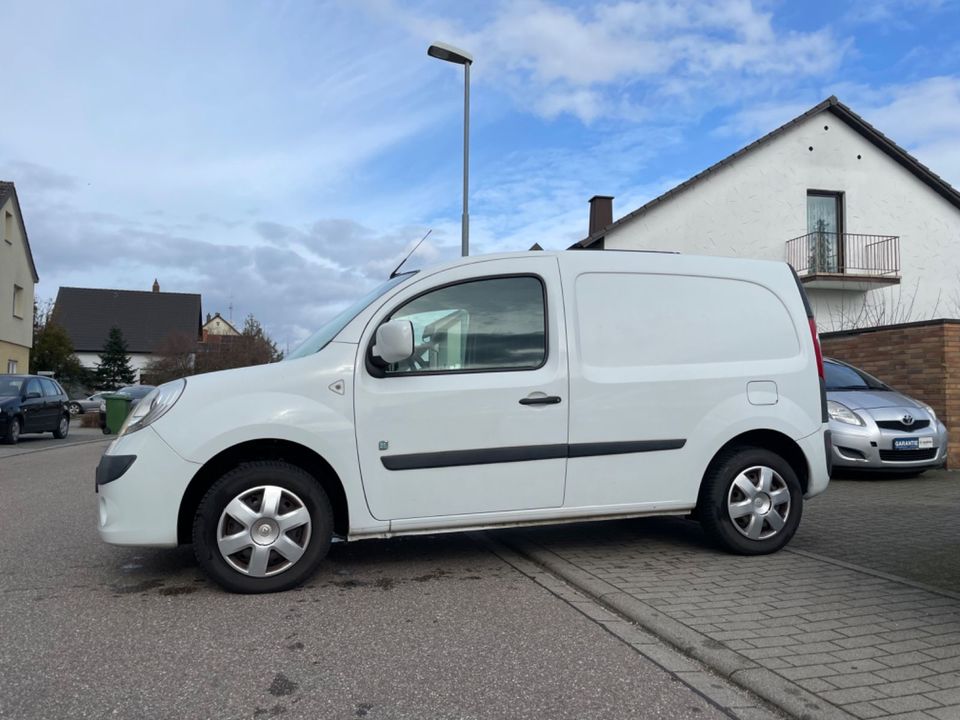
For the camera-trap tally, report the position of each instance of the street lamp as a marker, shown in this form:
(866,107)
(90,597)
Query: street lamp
(449,53)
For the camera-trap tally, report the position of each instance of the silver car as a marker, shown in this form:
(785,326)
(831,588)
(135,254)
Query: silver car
(82,405)
(874,427)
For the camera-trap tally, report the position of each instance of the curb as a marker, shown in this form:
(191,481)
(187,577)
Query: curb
(766,684)
(58,447)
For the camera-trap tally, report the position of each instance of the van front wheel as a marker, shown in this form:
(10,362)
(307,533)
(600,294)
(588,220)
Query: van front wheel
(262,527)
(750,501)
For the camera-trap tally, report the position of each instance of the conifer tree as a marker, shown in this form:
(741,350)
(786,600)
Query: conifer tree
(114,369)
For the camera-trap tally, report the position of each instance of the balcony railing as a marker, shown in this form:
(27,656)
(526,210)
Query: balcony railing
(845,254)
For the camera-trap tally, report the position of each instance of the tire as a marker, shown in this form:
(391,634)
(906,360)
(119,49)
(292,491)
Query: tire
(63,428)
(734,486)
(76,409)
(13,432)
(277,558)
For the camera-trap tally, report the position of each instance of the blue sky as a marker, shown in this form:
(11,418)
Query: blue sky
(282,156)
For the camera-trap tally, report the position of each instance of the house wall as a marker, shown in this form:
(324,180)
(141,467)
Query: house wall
(138,361)
(16,333)
(919,359)
(751,207)
(218,326)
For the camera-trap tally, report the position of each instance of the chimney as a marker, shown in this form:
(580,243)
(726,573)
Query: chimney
(156,285)
(208,317)
(601,213)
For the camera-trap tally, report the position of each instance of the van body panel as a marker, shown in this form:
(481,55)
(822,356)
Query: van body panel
(415,414)
(666,347)
(290,401)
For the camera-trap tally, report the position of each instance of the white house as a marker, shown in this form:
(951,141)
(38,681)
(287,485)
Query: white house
(873,233)
(146,319)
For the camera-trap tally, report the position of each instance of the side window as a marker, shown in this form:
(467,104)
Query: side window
(492,324)
(49,387)
(33,386)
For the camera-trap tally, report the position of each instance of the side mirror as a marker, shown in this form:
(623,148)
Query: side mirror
(394,341)
(31,396)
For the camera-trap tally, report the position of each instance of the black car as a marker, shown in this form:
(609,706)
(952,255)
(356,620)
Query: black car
(32,404)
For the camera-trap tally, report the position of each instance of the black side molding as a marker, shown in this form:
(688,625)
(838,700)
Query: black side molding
(523,453)
(623,448)
(113,466)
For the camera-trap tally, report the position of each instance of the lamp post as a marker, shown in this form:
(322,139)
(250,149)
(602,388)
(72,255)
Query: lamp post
(449,53)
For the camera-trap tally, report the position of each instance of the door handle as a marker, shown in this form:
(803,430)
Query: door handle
(545,400)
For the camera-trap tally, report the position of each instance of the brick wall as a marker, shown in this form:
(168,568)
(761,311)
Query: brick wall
(921,360)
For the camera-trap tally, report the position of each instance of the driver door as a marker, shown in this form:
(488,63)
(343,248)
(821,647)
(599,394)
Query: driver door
(476,421)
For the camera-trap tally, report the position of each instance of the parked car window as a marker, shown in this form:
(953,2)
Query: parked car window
(494,324)
(33,386)
(842,377)
(49,387)
(10,387)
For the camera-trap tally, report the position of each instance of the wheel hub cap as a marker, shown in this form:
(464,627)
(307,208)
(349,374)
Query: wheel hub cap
(758,503)
(264,531)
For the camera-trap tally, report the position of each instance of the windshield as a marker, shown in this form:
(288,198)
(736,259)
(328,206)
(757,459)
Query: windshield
(842,377)
(318,341)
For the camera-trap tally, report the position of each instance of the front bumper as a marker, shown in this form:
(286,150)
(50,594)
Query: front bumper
(141,505)
(870,447)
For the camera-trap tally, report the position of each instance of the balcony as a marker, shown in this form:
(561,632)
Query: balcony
(845,261)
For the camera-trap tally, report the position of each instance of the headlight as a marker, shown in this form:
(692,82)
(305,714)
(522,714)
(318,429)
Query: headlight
(153,406)
(841,413)
(929,409)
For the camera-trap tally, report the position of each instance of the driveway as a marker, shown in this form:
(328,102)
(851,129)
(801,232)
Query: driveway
(422,627)
(858,618)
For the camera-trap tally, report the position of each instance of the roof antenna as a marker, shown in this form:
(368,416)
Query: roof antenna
(396,270)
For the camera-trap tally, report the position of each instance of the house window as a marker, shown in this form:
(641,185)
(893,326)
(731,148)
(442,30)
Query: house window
(11,366)
(8,227)
(825,230)
(17,301)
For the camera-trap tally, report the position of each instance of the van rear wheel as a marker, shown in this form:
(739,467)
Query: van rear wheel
(262,527)
(750,501)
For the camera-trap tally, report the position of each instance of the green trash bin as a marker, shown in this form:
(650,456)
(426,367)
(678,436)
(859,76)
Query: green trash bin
(118,407)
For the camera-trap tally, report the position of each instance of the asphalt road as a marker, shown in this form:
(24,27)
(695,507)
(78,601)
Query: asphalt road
(33,442)
(426,627)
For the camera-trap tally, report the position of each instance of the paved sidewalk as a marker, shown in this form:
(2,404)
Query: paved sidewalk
(817,638)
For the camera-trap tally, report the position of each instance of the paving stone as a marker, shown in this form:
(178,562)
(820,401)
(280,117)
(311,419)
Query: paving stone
(906,672)
(856,680)
(852,695)
(945,697)
(911,658)
(864,710)
(906,703)
(946,680)
(856,666)
(945,713)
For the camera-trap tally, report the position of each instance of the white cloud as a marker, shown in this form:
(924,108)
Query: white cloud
(596,61)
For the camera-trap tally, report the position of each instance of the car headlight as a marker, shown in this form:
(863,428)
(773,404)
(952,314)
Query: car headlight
(153,406)
(929,409)
(841,413)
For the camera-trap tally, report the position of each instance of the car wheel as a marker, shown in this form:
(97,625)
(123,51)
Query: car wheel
(63,428)
(13,431)
(750,501)
(262,527)
(75,409)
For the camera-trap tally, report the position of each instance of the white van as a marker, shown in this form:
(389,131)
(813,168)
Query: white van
(492,391)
